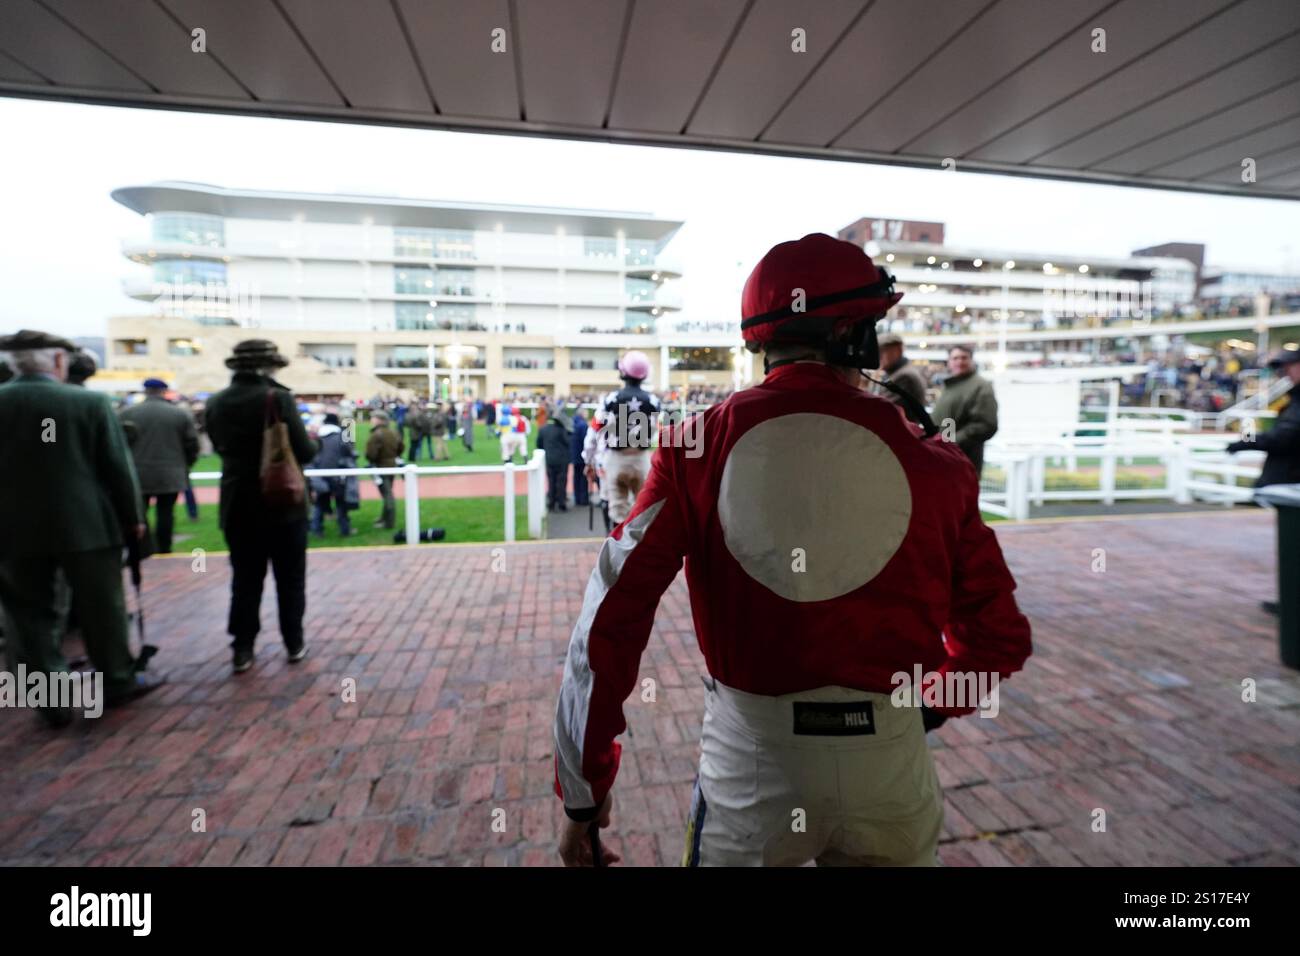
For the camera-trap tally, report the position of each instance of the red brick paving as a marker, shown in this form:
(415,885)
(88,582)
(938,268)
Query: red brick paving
(1131,704)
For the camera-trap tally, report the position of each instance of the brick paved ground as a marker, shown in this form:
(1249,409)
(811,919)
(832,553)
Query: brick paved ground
(1132,703)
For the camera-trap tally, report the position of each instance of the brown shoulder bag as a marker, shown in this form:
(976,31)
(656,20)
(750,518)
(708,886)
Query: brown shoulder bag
(283,486)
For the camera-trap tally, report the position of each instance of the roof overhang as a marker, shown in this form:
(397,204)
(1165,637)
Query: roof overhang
(1185,95)
(388,210)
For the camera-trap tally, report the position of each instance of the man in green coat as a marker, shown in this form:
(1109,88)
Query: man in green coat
(967,411)
(382,448)
(164,445)
(256,532)
(68,499)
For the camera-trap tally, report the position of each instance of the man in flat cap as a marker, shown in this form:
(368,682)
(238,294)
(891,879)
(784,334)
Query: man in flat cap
(1282,441)
(164,444)
(901,373)
(68,500)
(256,532)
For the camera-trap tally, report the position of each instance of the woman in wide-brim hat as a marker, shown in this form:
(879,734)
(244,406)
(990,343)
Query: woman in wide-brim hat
(256,354)
(259,533)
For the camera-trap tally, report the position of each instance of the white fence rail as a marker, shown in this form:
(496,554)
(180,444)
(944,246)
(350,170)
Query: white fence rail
(536,494)
(1193,467)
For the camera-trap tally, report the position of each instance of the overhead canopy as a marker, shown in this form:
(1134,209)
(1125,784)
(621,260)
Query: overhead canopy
(1185,94)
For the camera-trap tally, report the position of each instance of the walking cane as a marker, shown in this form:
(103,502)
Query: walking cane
(134,547)
(591,508)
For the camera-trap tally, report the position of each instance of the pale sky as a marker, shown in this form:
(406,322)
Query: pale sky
(61,264)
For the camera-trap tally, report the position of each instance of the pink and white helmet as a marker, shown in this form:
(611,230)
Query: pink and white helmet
(634,365)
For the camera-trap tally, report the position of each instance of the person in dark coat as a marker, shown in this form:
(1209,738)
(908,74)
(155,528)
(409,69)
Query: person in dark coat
(467,425)
(435,423)
(382,448)
(967,409)
(1282,441)
(69,500)
(418,425)
(164,445)
(81,367)
(399,420)
(554,439)
(255,532)
(335,452)
(900,373)
(580,490)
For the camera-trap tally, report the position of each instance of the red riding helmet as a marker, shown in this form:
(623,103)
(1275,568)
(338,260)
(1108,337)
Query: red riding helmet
(816,277)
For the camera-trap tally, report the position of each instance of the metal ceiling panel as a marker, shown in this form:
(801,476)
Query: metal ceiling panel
(36,37)
(363,50)
(1206,162)
(11,69)
(453,40)
(866,65)
(747,92)
(156,46)
(672,49)
(1185,92)
(1289,180)
(1004,38)
(1116,146)
(256,43)
(1255,113)
(1066,62)
(1270,165)
(569,50)
(1166,68)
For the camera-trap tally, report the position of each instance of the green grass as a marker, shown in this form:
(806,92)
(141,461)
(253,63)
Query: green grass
(465,520)
(487,450)
(1057,479)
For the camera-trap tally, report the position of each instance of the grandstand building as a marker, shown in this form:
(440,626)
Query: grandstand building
(369,293)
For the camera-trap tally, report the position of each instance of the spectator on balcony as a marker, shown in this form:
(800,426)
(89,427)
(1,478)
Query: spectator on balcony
(967,411)
(165,445)
(257,532)
(68,501)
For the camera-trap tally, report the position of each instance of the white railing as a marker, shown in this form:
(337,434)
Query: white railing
(536,496)
(1194,467)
